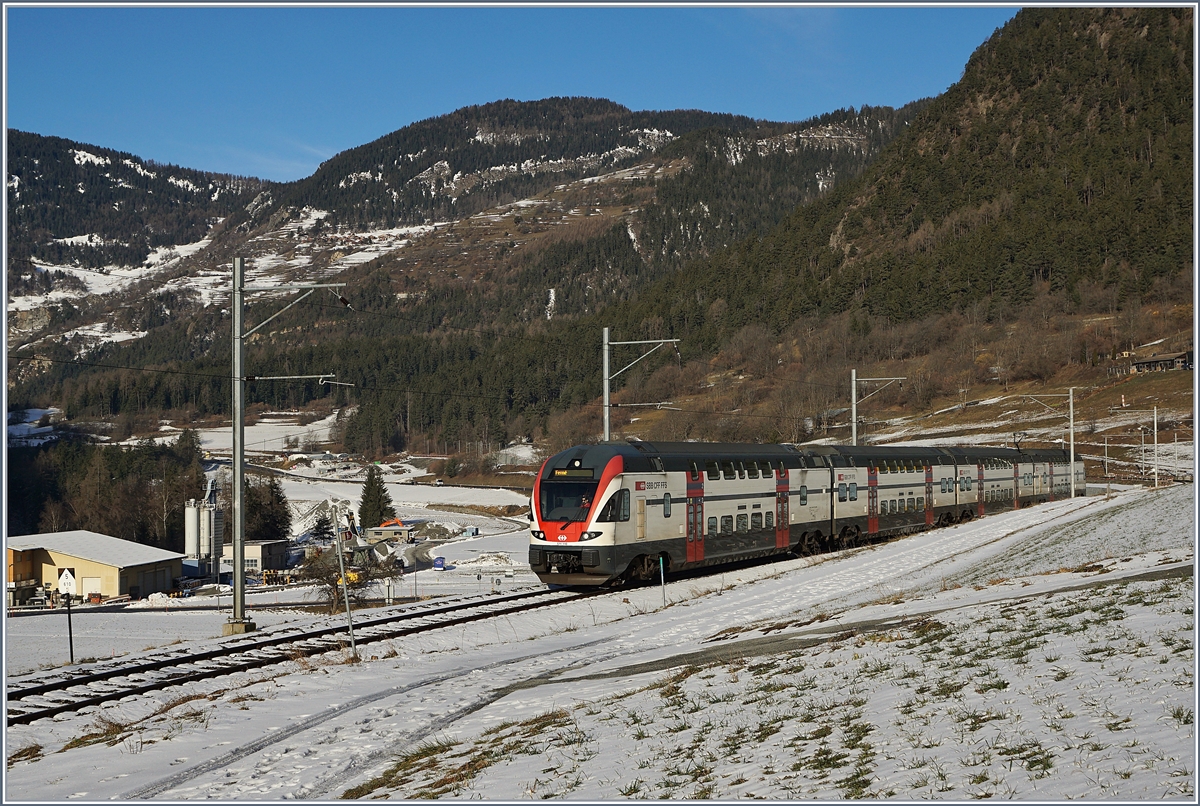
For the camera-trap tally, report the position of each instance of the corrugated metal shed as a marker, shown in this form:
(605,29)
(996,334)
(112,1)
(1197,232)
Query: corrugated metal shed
(95,547)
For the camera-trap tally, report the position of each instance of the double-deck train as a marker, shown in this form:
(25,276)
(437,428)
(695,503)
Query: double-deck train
(603,514)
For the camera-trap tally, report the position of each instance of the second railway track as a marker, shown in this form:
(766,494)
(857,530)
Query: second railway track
(28,702)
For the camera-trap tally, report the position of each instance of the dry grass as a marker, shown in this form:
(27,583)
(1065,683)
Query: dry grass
(30,753)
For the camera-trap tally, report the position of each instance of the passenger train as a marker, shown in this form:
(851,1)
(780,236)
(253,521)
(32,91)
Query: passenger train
(604,514)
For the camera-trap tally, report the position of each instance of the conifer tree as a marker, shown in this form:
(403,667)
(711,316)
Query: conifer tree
(376,506)
(322,528)
(267,513)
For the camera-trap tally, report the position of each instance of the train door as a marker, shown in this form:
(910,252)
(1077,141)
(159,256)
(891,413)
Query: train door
(695,515)
(872,499)
(980,490)
(929,495)
(782,519)
(641,517)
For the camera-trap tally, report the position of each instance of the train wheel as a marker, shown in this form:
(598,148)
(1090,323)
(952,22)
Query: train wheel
(816,542)
(643,568)
(848,538)
(806,546)
(966,516)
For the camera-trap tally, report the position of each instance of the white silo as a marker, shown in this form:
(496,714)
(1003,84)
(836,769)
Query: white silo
(191,530)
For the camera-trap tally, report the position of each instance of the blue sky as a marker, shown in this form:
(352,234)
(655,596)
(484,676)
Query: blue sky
(272,92)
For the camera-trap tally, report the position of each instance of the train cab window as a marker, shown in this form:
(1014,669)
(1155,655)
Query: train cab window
(743,523)
(726,524)
(841,492)
(713,471)
(803,496)
(751,470)
(666,505)
(712,526)
(756,520)
(853,490)
(770,519)
(728,470)
(616,508)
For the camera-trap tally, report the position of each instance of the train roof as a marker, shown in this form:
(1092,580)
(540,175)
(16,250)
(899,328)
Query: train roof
(644,456)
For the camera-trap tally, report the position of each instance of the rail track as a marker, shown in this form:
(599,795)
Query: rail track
(74,690)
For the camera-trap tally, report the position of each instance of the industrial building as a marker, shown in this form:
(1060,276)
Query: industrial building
(259,555)
(100,564)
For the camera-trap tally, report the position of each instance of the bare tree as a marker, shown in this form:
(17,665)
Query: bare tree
(323,570)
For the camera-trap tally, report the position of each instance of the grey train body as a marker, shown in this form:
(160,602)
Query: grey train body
(604,514)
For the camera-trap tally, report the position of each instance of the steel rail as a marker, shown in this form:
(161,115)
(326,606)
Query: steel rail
(270,651)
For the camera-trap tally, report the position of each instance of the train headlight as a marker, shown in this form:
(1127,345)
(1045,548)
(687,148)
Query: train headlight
(538,535)
(590,535)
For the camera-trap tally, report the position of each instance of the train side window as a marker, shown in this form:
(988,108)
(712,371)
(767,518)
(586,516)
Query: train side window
(726,524)
(666,505)
(751,470)
(695,472)
(617,508)
(743,523)
(803,496)
(728,471)
(770,516)
(853,490)
(912,505)
(741,470)
(713,471)
(920,503)
(842,492)
(712,526)
(756,520)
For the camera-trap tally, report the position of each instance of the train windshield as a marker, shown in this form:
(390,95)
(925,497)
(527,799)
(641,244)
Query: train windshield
(566,500)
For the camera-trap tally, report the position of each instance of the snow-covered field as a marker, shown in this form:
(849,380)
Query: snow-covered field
(1023,655)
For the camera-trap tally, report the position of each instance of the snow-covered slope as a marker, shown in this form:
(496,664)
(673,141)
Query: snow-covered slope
(1040,654)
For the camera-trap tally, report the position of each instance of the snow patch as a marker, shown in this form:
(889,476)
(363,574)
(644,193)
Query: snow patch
(86,158)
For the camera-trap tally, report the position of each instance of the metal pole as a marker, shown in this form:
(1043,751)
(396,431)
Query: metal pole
(607,421)
(239,446)
(662,579)
(1156,446)
(346,593)
(853,407)
(1106,455)
(1142,456)
(70,632)
(1071,398)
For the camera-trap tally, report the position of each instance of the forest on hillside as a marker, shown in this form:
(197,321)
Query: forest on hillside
(58,190)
